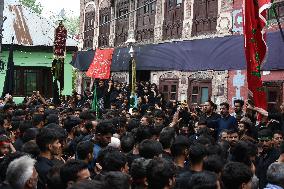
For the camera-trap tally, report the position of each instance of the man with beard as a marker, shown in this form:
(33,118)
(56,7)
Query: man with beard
(49,145)
(209,115)
(233,137)
(101,92)
(103,134)
(238,108)
(226,121)
(266,157)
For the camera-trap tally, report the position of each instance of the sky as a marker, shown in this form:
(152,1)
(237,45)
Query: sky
(53,7)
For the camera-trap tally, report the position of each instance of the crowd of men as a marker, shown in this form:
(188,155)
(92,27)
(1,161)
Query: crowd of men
(158,145)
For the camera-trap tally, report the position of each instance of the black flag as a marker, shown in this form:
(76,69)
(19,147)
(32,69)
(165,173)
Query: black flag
(9,79)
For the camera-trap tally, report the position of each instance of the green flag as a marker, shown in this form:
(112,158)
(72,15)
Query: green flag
(95,101)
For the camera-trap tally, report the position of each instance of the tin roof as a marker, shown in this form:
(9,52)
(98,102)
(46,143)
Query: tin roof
(28,28)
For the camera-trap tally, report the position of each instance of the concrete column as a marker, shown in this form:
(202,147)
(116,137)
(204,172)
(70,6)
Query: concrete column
(112,27)
(96,25)
(188,16)
(131,18)
(159,19)
(225,20)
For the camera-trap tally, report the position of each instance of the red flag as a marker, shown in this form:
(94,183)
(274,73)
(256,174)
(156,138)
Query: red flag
(100,67)
(254,15)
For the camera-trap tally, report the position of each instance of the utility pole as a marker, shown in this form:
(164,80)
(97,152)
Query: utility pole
(1,22)
(2,19)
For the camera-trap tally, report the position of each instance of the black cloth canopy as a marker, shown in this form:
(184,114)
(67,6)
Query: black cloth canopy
(220,53)
(82,60)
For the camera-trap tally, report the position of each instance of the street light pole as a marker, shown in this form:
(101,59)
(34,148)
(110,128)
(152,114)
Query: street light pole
(2,20)
(132,73)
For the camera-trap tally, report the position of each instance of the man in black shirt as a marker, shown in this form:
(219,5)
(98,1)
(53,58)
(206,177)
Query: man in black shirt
(267,156)
(49,145)
(197,154)
(209,115)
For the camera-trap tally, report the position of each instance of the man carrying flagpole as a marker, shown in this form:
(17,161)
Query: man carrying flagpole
(254,15)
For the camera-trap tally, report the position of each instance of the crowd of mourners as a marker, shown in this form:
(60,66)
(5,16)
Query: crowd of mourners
(158,145)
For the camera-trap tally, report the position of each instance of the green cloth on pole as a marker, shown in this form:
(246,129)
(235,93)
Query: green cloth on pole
(95,102)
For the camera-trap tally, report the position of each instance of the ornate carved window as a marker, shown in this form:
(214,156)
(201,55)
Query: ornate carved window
(204,16)
(104,29)
(145,20)
(89,26)
(173,20)
(122,24)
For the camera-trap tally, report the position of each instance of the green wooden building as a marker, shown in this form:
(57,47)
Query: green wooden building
(33,56)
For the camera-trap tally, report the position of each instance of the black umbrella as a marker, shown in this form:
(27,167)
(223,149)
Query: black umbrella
(9,78)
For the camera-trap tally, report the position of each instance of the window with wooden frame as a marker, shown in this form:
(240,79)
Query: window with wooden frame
(205,14)
(169,88)
(199,91)
(173,19)
(89,27)
(274,95)
(29,79)
(145,20)
(122,24)
(104,29)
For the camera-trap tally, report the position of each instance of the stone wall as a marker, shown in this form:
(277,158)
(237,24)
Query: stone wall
(224,27)
(224,21)
(218,78)
(121,77)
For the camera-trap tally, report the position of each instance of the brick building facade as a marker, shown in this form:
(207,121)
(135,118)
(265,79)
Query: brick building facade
(160,21)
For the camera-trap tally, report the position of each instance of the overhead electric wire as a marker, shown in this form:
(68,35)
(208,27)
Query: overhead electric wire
(117,18)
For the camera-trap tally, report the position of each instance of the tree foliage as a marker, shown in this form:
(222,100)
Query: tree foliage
(33,5)
(72,25)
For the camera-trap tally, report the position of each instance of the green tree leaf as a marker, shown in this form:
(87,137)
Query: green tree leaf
(33,5)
